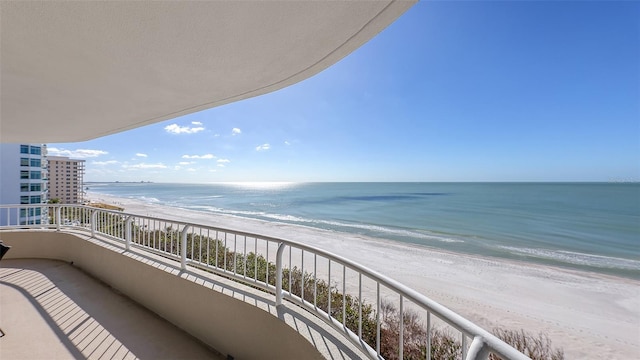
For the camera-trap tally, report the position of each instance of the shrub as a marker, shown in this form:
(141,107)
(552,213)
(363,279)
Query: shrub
(536,347)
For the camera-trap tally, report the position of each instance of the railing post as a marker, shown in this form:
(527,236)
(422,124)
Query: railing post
(94,222)
(127,232)
(478,349)
(401,330)
(183,248)
(58,217)
(279,293)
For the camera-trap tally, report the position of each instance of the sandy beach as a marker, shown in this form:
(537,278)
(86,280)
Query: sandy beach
(588,315)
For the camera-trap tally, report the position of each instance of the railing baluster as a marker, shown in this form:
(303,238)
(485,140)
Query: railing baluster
(183,255)
(267,270)
(245,257)
(58,218)
(378,318)
(315,281)
(192,246)
(199,235)
(428,335)
(225,252)
(329,283)
(464,345)
(209,248)
(360,305)
(217,251)
(94,220)
(290,271)
(279,293)
(127,232)
(235,254)
(344,296)
(401,331)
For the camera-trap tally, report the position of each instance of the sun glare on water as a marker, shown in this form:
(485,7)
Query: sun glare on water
(259,185)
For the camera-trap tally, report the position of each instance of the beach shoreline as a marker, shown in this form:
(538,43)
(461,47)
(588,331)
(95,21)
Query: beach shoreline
(588,315)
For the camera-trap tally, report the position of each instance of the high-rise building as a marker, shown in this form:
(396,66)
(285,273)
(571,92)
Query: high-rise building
(66,179)
(23,180)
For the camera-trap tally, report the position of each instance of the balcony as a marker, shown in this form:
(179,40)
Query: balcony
(228,288)
(56,311)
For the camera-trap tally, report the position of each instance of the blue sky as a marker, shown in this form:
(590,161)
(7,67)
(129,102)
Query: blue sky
(452,91)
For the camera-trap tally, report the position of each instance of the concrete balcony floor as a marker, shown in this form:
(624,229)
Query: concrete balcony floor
(51,310)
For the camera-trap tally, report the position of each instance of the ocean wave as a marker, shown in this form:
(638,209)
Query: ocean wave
(189,198)
(392,231)
(334,225)
(338,224)
(147,199)
(271,205)
(577,258)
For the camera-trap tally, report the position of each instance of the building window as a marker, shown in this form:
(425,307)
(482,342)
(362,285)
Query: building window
(32,212)
(24,161)
(35,150)
(36,187)
(24,174)
(34,175)
(31,222)
(24,187)
(35,162)
(24,199)
(24,149)
(35,199)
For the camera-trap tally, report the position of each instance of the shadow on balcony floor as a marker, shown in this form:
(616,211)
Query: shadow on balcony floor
(51,310)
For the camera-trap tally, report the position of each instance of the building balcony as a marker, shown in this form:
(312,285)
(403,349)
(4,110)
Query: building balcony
(241,295)
(56,311)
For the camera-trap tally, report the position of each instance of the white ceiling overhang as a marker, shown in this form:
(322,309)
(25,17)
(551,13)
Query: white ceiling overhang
(77,70)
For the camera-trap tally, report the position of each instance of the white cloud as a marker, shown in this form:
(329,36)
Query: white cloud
(287,143)
(141,155)
(177,129)
(221,161)
(146,166)
(103,163)
(236,131)
(263,147)
(205,156)
(196,123)
(78,153)
(186,162)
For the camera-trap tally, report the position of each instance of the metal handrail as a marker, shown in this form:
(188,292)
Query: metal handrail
(124,227)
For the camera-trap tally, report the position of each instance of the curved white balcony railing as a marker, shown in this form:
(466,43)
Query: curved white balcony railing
(349,297)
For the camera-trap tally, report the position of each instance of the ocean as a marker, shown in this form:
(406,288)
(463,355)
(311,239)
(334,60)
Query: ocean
(587,226)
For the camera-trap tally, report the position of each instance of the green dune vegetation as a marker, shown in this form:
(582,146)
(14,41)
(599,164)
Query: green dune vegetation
(105,206)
